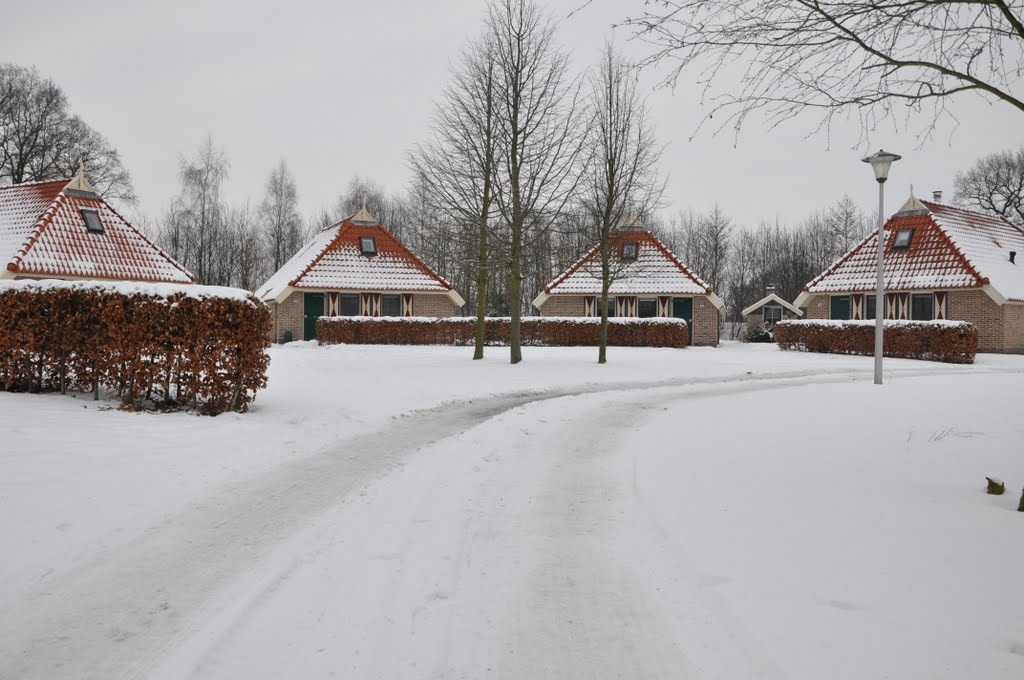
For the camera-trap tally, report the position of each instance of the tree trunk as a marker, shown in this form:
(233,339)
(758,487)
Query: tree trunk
(516,294)
(481,296)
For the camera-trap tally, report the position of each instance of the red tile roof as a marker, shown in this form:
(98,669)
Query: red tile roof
(333,261)
(43,233)
(951,247)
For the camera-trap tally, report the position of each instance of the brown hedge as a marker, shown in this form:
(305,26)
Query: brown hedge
(534,331)
(954,342)
(159,344)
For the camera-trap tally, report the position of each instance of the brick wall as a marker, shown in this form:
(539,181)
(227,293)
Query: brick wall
(563,305)
(981,310)
(817,308)
(424,304)
(1013,332)
(288,317)
(705,322)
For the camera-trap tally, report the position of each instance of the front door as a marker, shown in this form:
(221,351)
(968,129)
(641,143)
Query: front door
(313,309)
(839,307)
(682,308)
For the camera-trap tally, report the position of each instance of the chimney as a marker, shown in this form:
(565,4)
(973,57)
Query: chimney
(1013,257)
(937,196)
(770,290)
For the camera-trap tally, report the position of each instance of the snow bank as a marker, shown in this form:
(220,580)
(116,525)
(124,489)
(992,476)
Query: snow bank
(149,289)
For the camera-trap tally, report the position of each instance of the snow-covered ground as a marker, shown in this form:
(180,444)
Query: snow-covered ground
(389,512)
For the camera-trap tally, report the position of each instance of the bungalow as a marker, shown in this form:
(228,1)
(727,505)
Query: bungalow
(62,229)
(353,268)
(769,310)
(648,281)
(941,262)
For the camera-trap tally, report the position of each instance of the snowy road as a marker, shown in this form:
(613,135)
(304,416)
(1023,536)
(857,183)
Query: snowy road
(569,533)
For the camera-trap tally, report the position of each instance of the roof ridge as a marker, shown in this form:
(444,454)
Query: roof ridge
(972,211)
(33,183)
(165,254)
(679,263)
(846,256)
(37,230)
(340,226)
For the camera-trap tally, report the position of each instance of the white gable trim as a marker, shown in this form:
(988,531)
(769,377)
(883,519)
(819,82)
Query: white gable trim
(539,301)
(771,298)
(716,301)
(802,299)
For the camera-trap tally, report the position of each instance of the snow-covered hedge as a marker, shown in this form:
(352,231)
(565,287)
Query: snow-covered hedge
(164,344)
(550,331)
(954,342)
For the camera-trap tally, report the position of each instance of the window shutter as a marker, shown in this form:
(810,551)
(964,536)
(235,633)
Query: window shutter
(406,304)
(904,305)
(858,310)
(890,305)
(664,305)
(940,305)
(364,304)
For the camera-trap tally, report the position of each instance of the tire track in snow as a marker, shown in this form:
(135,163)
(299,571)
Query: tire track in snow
(116,615)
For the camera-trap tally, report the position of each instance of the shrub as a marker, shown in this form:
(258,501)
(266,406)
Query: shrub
(954,342)
(761,332)
(535,331)
(171,345)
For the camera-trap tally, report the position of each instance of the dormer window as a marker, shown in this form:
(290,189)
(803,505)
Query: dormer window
(629,250)
(92,221)
(903,238)
(367,245)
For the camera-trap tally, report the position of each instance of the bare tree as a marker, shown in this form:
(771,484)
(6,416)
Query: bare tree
(539,133)
(456,167)
(250,261)
(195,226)
(41,139)
(279,217)
(874,59)
(995,183)
(621,173)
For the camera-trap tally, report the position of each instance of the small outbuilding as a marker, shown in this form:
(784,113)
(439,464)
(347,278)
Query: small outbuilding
(941,262)
(353,268)
(768,311)
(63,229)
(649,281)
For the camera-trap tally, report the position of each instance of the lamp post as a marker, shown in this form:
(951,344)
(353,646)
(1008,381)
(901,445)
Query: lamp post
(880,163)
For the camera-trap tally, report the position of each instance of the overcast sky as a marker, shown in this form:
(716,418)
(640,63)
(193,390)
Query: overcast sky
(340,88)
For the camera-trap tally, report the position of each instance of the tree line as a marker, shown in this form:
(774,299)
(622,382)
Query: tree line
(528,163)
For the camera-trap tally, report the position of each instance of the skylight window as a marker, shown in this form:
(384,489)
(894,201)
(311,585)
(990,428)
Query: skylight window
(92,221)
(367,245)
(903,238)
(629,250)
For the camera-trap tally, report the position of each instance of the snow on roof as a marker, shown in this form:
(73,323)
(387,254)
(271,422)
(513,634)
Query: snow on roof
(334,261)
(771,298)
(986,242)
(43,233)
(655,270)
(951,247)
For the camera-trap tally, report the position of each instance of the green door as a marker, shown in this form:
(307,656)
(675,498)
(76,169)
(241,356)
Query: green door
(682,308)
(313,309)
(839,307)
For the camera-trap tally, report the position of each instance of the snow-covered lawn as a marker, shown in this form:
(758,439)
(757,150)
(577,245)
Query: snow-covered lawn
(404,512)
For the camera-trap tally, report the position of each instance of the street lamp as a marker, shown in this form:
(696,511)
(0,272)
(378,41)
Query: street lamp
(880,163)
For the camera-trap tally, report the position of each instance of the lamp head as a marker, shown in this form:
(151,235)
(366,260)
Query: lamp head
(880,163)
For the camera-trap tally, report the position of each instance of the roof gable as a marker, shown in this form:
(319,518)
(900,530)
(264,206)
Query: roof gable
(655,270)
(43,233)
(333,260)
(773,299)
